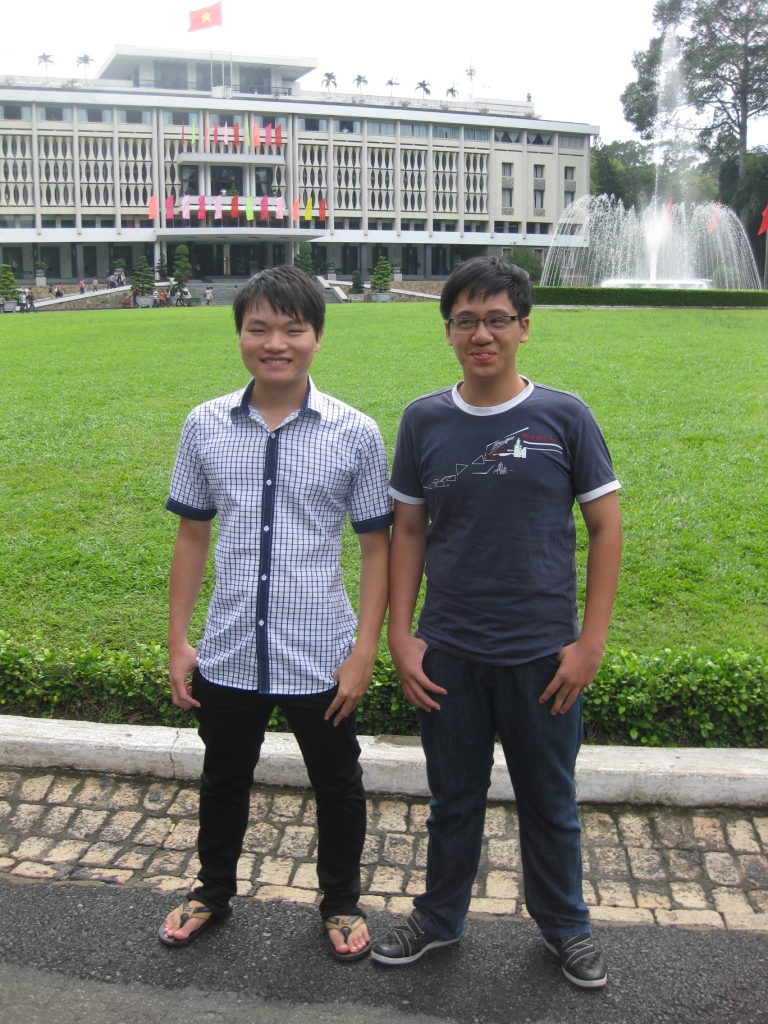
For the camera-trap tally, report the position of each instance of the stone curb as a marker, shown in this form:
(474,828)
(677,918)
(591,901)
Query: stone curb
(682,777)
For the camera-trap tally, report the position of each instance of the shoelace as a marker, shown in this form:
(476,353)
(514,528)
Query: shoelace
(578,950)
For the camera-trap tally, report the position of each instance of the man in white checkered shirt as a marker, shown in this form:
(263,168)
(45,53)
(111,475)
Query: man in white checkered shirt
(281,464)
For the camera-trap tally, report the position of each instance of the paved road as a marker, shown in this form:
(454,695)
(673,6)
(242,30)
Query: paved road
(79,953)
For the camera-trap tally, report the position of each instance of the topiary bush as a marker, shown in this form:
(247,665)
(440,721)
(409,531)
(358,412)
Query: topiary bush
(381,279)
(357,283)
(143,279)
(8,287)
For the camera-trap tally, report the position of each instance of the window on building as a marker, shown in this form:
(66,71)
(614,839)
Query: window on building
(440,262)
(189,179)
(381,128)
(54,113)
(539,139)
(511,138)
(203,76)
(221,74)
(254,80)
(507,197)
(386,225)
(538,170)
(476,134)
(263,181)
(170,74)
(67,222)
(567,198)
(410,260)
(109,222)
(11,112)
(444,131)
(537,227)
(47,222)
(313,124)
(88,222)
(179,117)
(94,115)
(507,170)
(571,141)
(26,220)
(353,224)
(538,199)
(223,178)
(229,119)
(51,255)
(346,127)
(12,256)
(504,227)
(134,116)
(570,173)
(416,131)
(7,222)
(274,120)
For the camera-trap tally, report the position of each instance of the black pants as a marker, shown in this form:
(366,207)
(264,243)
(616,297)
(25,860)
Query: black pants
(231,724)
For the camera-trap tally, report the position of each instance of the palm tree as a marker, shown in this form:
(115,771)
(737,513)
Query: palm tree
(329,79)
(391,83)
(424,86)
(452,93)
(84,61)
(45,58)
(360,81)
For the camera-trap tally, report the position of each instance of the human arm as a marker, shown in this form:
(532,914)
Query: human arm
(190,558)
(580,661)
(406,568)
(356,671)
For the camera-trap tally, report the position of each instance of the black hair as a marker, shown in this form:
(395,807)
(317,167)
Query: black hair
(287,290)
(484,276)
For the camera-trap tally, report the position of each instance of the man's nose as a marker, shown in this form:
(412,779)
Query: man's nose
(481,332)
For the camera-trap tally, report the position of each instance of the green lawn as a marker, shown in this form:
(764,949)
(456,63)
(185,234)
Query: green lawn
(91,405)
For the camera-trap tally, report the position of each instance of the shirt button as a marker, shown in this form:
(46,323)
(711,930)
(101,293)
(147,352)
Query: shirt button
(266,529)
(273,434)
(269,483)
(264,577)
(261,622)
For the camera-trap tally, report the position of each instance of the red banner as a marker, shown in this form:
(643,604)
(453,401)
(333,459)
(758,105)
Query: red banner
(279,135)
(206,17)
(236,130)
(169,207)
(235,211)
(764,226)
(295,211)
(152,212)
(201,208)
(264,208)
(321,213)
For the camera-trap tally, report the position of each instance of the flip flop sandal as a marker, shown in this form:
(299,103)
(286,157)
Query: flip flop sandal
(188,913)
(346,925)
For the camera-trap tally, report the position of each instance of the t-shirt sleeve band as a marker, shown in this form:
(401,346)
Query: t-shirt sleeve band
(201,514)
(406,498)
(598,492)
(369,525)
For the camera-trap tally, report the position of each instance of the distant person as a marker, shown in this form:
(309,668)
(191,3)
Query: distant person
(30,301)
(484,480)
(95,284)
(282,465)
(59,293)
(155,298)
(81,286)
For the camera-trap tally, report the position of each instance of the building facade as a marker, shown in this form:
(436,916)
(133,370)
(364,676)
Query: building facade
(226,147)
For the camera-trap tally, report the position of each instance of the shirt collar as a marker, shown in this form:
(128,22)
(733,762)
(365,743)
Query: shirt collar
(314,400)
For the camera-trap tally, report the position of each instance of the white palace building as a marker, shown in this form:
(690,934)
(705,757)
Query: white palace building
(176,136)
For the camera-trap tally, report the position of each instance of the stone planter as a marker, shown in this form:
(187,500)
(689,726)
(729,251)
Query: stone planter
(40,280)
(11,304)
(382,296)
(144,301)
(356,298)
(330,275)
(397,274)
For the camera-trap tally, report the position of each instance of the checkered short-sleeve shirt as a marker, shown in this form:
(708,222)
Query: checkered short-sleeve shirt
(279,620)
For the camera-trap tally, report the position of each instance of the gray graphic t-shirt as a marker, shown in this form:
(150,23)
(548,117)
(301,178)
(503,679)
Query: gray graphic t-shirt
(499,484)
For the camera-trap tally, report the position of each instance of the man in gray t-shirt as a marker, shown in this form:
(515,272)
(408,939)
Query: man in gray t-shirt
(484,480)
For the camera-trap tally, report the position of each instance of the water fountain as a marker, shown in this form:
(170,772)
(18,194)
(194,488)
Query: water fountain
(665,245)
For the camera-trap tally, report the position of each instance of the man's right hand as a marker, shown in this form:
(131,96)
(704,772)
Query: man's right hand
(181,663)
(407,655)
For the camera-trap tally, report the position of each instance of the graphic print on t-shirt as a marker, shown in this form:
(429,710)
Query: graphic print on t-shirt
(512,446)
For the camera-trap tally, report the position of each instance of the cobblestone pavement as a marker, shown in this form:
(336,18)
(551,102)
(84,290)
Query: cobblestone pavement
(642,865)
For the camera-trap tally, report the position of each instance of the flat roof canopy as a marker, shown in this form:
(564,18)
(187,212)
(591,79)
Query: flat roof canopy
(123,60)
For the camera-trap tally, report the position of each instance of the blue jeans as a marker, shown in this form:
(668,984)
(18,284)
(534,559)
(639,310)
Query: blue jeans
(540,749)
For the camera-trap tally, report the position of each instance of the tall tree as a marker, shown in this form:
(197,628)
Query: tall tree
(452,92)
(724,61)
(391,83)
(329,79)
(84,61)
(45,58)
(424,87)
(360,81)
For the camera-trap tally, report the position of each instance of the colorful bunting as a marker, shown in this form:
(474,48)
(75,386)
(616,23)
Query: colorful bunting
(670,204)
(218,213)
(185,202)
(256,136)
(226,133)
(216,134)
(268,133)
(714,220)
(308,209)
(182,133)
(264,208)
(235,208)
(236,132)
(194,136)
(152,211)
(249,208)
(207,136)
(169,204)
(280,209)
(295,210)
(321,214)
(764,226)
(201,208)
(279,135)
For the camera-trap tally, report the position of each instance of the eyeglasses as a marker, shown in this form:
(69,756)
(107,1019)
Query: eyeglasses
(494,324)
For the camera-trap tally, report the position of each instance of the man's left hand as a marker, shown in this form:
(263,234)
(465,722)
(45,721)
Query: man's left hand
(578,668)
(354,676)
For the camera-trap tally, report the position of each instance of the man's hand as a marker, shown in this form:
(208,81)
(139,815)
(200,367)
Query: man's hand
(181,662)
(578,667)
(354,676)
(408,655)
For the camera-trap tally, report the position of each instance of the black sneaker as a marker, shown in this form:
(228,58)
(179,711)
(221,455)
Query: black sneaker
(407,943)
(582,961)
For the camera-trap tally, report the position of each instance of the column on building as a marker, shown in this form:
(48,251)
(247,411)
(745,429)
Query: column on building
(76,171)
(36,172)
(118,191)
(461,185)
(430,181)
(330,187)
(490,181)
(398,172)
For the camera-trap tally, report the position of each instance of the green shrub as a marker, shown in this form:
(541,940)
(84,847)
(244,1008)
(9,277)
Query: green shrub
(304,259)
(357,283)
(673,699)
(182,268)
(143,279)
(8,287)
(381,279)
(546,295)
(525,257)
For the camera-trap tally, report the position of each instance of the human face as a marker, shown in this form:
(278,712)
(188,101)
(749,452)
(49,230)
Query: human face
(276,349)
(488,360)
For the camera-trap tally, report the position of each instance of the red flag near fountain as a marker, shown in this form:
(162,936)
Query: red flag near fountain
(670,204)
(714,220)
(764,226)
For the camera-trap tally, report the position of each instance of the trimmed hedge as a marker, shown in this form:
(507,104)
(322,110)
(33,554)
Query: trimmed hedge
(673,699)
(709,297)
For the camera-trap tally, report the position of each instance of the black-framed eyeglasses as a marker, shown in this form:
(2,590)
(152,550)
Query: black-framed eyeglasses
(494,324)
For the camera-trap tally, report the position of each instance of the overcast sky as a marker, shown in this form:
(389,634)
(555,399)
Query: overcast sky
(573,58)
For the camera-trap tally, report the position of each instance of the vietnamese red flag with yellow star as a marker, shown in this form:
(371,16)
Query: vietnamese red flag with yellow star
(206,17)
